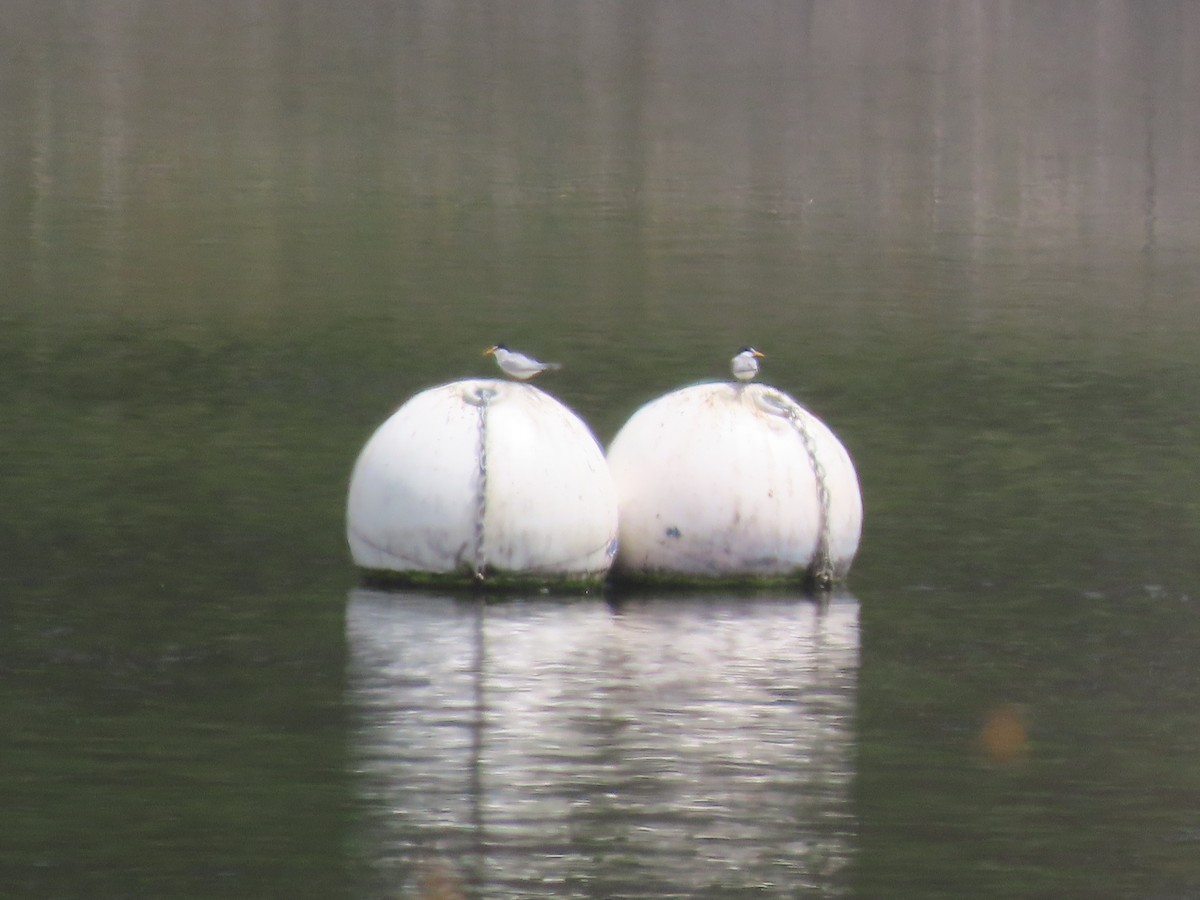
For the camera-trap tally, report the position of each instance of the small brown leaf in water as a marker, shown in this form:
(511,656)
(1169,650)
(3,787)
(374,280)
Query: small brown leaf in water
(1004,737)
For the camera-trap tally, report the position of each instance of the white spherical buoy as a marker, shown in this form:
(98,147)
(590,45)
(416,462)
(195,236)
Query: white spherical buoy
(485,480)
(733,482)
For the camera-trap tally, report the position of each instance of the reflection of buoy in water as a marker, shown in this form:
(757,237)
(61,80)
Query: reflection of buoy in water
(482,480)
(733,482)
(729,717)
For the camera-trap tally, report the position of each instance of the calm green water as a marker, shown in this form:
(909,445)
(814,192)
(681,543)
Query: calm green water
(235,236)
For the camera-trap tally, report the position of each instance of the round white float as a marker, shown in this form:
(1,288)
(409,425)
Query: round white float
(725,481)
(486,480)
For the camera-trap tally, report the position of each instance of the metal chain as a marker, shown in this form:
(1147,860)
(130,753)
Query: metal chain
(821,566)
(480,399)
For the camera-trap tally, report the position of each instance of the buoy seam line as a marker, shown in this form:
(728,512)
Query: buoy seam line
(698,556)
(387,551)
(550,568)
(544,568)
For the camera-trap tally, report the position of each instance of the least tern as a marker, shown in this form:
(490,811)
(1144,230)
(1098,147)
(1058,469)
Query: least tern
(518,365)
(744,364)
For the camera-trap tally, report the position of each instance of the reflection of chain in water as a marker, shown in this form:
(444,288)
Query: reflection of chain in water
(776,404)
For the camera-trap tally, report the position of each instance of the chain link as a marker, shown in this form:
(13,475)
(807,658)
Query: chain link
(480,399)
(821,566)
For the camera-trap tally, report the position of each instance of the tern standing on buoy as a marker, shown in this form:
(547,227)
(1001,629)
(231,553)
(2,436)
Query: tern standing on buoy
(745,364)
(518,365)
